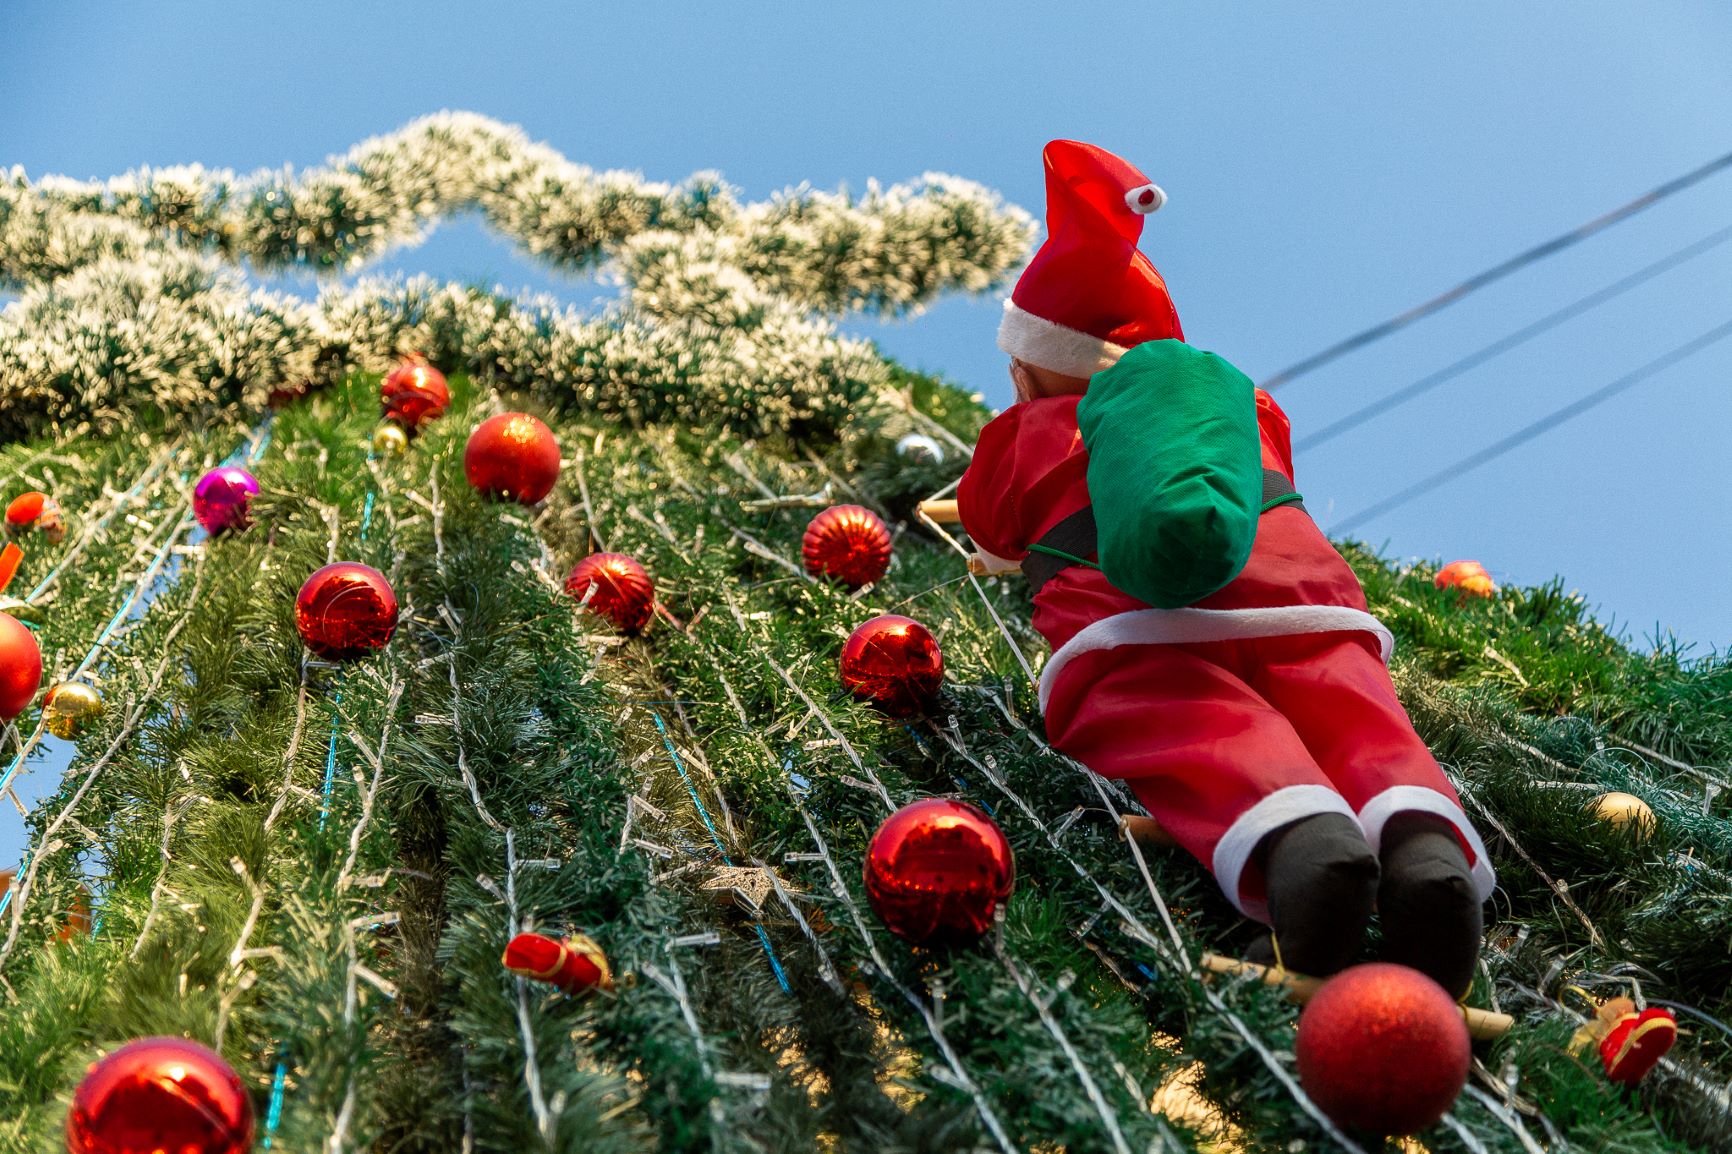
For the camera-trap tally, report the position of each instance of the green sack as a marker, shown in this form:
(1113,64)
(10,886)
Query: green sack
(1175,471)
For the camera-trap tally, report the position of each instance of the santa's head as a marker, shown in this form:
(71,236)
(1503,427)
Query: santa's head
(1090,294)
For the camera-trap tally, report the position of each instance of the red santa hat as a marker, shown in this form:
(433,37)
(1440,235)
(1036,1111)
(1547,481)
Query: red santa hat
(1089,295)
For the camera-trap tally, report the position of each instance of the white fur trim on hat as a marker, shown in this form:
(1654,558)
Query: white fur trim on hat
(1146,198)
(1054,347)
(1375,814)
(1196,626)
(1233,852)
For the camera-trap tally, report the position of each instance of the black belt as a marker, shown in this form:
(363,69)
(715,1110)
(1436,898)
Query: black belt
(1074,540)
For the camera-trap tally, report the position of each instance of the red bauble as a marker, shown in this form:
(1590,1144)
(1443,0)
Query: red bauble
(937,870)
(616,587)
(346,610)
(160,1094)
(512,455)
(1383,1049)
(414,393)
(20,667)
(894,663)
(847,543)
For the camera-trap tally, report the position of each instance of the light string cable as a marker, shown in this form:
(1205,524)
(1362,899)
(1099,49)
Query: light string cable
(544,1117)
(1179,951)
(1087,1081)
(1535,429)
(19,895)
(1174,949)
(139,598)
(1497,272)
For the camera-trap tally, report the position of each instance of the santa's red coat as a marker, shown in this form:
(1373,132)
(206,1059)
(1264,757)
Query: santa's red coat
(1266,702)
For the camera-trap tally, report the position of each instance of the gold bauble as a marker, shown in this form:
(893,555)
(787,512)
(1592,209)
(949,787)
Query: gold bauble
(1620,810)
(390,441)
(70,708)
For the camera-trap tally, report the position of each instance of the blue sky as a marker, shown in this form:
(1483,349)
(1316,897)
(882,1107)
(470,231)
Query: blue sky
(1328,164)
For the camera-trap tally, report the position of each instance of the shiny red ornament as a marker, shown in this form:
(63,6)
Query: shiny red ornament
(894,663)
(575,964)
(160,1096)
(346,610)
(1468,576)
(1383,1049)
(414,393)
(616,587)
(847,543)
(20,667)
(223,499)
(937,870)
(512,455)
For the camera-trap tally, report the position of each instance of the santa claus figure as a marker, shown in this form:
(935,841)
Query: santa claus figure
(1210,647)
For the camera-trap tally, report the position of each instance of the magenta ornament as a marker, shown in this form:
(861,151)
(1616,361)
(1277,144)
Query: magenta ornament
(222,500)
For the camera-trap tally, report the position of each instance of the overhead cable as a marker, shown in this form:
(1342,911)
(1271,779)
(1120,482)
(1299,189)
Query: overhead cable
(1497,272)
(1505,343)
(1538,428)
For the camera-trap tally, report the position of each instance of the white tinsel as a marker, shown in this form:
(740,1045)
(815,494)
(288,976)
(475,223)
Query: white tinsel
(127,301)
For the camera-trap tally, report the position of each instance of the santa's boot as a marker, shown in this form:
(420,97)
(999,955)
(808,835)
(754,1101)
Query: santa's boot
(1322,880)
(1428,903)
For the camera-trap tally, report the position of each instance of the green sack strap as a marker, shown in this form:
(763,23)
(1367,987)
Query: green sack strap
(1072,540)
(1278,490)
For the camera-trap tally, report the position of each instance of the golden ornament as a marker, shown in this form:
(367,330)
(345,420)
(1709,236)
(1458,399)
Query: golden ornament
(390,441)
(70,708)
(1620,810)
(746,888)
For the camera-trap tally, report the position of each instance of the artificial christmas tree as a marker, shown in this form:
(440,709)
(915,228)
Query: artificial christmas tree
(316,871)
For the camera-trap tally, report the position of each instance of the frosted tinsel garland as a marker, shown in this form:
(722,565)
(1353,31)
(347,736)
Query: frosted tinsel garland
(890,250)
(178,332)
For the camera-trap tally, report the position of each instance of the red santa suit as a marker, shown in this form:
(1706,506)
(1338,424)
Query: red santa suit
(1265,702)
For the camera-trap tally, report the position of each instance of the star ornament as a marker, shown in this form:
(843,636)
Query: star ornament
(746,888)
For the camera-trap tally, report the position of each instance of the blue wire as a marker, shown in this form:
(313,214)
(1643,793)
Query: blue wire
(274,1112)
(763,938)
(330,763)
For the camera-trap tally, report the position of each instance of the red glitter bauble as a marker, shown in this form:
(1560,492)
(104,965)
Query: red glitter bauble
(616,587)
(346,610)
(160,1094)
(20,667)
(414,393)
(937,870)
(894,663)
(512,455)
(1383,1049)
(847,543)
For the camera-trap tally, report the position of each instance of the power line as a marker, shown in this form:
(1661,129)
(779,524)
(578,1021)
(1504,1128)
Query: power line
(1505,343)
(1545,424)
(1497,272)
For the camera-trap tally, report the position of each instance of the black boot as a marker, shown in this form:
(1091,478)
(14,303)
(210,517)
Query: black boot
(1322,879)
(1430,909)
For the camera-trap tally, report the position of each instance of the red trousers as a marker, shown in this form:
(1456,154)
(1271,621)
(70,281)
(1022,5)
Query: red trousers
(1226,741)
